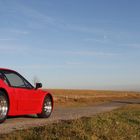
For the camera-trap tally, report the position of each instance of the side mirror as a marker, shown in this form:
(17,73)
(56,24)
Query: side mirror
(38,85)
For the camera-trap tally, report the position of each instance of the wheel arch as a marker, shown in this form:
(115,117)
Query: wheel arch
(42,114)
(6,93)
(49,94)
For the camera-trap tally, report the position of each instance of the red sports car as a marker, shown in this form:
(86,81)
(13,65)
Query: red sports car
(19,97)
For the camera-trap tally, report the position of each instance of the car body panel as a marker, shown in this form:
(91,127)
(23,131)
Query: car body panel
(23,101)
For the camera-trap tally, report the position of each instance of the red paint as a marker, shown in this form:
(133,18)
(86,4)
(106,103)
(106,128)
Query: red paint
(23,101)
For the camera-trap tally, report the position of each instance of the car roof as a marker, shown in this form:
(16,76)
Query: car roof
(7,69)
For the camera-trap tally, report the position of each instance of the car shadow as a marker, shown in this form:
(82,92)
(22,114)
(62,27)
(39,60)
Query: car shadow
(23,116)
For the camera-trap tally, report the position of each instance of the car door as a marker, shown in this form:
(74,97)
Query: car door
(26,96)
(28,100)
(31,95)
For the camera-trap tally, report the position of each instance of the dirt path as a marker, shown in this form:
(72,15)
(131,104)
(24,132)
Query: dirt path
(18,123)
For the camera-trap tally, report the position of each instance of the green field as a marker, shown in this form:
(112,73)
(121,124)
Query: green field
(120,124)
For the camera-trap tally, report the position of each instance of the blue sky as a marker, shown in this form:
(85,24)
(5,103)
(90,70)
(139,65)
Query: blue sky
(80,44)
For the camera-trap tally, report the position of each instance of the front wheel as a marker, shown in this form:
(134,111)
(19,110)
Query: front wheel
(4,107)
(47,107)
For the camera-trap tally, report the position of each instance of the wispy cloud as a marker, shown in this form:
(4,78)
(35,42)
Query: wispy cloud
(75,52)
(25,16)
(131,45)
(80,28)
(92,53)
(36,19)
(13,50)
(74,63)
(33,18)
(24,32)
(7,39)
(63,65)
(99,39)
(40,66)
(12,33)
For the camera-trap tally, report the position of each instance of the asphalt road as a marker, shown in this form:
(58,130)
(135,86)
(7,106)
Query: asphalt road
(24,122)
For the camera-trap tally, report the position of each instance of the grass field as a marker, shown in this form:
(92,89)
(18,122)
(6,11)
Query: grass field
(120,124)
(88,97)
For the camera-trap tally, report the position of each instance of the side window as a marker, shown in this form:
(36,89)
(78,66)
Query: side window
(15,80)
(2,77)
(28,85)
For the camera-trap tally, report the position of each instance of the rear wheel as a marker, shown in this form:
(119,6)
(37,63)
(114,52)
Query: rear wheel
(4,107)
(47,107)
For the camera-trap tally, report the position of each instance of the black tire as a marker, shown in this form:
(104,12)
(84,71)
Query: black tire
(4,106)
(46,107)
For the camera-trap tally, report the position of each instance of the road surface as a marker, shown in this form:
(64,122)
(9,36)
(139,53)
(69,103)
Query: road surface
(24,122)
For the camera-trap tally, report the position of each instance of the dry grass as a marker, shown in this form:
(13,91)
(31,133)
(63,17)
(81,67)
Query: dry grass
(88,97)
(120,124)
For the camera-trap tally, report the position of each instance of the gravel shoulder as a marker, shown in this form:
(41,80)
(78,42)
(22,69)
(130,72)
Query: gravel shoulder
(24,122)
